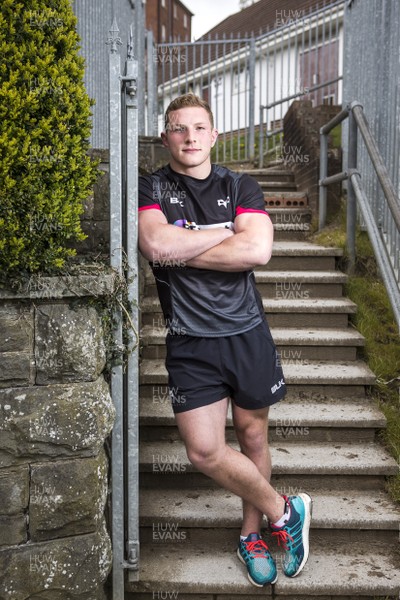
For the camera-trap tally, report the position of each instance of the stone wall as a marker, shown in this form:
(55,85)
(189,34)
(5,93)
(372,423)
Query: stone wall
(56,413)
(301,125)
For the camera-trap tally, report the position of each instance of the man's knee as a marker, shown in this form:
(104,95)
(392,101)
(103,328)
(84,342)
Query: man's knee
(253,436)
(204,457)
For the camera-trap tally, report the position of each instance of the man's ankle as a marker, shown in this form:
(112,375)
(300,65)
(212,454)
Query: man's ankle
(280,512)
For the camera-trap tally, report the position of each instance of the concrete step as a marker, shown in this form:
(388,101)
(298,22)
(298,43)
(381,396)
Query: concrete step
(302,256)
(308,312)
(325,277)
(300,458)
(289,285)
(304,312)
(288,216)
(290,421)
(347,515)
(293,344)
(287,256)
(261,175)
(292,232)
(191,571)
(300,373)
(279,187)
(296,255)
(300,284)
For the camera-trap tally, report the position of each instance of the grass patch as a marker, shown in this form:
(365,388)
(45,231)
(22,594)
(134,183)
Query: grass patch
(336,137)
(375,321)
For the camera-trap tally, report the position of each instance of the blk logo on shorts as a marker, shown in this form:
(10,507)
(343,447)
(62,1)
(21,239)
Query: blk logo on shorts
(277,386)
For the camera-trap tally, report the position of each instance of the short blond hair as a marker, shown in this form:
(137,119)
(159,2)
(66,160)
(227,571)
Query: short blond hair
(184,101)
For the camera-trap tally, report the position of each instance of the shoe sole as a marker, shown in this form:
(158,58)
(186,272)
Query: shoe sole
(260,585)
(305,531)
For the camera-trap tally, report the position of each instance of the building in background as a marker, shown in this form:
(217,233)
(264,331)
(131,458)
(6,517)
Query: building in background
(169,20)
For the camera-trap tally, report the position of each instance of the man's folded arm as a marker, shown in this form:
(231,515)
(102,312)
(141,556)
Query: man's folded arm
(158,238)
(251,246)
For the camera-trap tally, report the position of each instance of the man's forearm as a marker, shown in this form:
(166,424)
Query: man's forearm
(169,242)
(238,253)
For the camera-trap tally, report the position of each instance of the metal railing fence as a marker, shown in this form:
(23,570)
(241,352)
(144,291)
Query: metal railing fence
(384,236)
(299,59)
(372,73)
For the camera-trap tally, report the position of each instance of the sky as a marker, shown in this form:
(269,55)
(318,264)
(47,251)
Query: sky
(208,13)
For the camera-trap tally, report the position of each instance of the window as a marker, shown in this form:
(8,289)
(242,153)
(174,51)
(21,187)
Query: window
(163,33)
(175,11)
(163,3)
(185,20)
(241,79)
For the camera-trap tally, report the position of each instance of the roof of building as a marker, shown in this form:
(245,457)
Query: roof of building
(265,15)
(186,9)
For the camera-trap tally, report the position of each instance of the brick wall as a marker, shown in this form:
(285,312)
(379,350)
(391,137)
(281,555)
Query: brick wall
(300,150)
(171,16)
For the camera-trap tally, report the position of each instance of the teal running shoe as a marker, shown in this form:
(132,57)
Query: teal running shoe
(293,536)
(254,553)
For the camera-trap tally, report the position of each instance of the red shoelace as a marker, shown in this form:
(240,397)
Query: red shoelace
(283,537)
(258,546)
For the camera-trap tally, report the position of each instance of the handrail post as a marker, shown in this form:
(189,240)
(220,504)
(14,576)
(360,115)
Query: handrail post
(261,139)
(151,75)
(252,86)
(132,270)
(117,457)
(140,28)
(323,172)
(351,197)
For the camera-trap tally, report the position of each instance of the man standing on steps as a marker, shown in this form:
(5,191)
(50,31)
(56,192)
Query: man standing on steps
(204,228)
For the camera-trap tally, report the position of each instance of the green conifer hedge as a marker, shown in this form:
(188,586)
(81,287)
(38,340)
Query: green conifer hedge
(45,171)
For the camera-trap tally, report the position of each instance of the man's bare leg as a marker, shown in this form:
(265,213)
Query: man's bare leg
(203,432)
(251,428)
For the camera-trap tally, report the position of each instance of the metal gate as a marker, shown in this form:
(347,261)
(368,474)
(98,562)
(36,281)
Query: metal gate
(123,123)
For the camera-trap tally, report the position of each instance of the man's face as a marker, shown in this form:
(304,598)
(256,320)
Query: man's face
(189,139)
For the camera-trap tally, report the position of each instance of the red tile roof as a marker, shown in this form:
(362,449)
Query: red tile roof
(264,15)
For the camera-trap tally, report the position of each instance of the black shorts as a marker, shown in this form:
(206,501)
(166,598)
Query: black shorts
(246,367)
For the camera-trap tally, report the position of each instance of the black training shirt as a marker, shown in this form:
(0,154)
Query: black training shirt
(203,302)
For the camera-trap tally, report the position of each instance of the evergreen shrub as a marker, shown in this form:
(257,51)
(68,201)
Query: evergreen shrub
(45,170)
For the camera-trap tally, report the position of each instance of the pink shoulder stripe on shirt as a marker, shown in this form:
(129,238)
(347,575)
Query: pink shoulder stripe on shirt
(156,206)
(241,211)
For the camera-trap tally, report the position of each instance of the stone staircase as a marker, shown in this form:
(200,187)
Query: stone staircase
(323,440)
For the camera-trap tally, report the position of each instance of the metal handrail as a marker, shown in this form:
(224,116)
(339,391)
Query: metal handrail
(355,193)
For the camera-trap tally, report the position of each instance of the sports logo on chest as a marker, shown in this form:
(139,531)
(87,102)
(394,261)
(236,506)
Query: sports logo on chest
(170,193)
(222,202)
(174,200)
